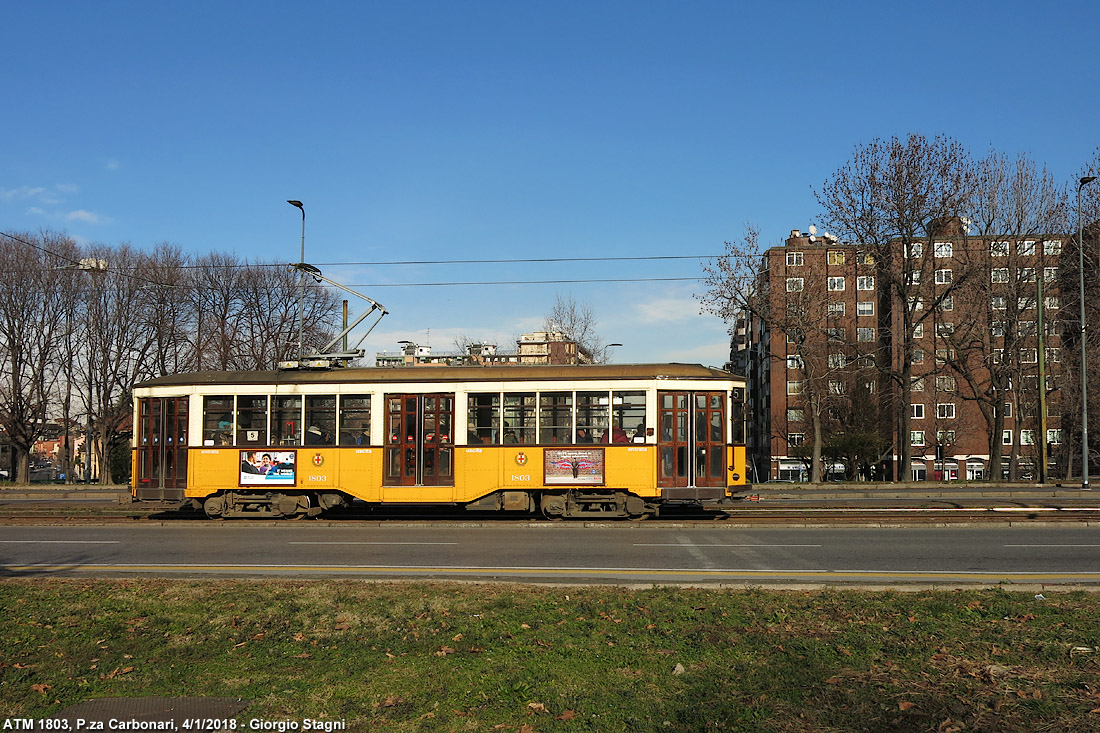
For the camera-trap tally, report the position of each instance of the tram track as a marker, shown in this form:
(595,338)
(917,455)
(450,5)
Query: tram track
(749,515)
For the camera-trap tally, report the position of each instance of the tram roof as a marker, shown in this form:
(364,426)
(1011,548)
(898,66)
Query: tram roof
(512,373)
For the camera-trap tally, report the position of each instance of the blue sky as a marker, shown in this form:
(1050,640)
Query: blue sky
(426,131)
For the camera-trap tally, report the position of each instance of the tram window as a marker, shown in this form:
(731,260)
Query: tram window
(593,416)
(483,424)
(286,421)
(355,420)
(519,417)
(320,420)
(252,420)
(217,420)
(555,417)
(628,413)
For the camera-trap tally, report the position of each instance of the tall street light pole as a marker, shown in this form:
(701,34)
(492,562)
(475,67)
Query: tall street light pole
(1081,294)
(301,280)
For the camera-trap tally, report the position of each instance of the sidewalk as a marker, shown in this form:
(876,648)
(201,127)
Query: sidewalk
(921,490)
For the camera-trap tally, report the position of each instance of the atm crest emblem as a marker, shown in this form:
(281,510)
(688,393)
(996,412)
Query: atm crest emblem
(318,459)
(521,459)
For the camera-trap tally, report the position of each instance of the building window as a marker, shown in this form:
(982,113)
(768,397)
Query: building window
(1006,437)
(1054,354)
(1027,437)
(945,384)
(836,257)
(835,334)
(1026,248)
(796,414)
(918,411)
(795,387)
(916,437)
(998,249)
(943,355)
(945,328)
(918,331)
(865,308)
(945,410)
(1052,246)
(1054,436)
(918,385)
(836,284)
(1052,303)
(997,328)
(913,277)
(796,439)
(917,355)
(794,284)
(835,310)
(944,249)
(998,356)
(999,275)
(865,334)
(794,361)
(837,361)
(865,258)
(837,387)
(999,302)
(794,259)
(865,282)
(1027,328)
(945,437)
(1029,356)
(944,277)
(1028,275)
(915,303)
(1050,274)
(948,303)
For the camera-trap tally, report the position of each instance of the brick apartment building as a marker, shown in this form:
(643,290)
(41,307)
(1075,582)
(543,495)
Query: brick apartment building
(823,347)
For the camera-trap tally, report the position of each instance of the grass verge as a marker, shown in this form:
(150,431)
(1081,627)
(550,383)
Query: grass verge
(425,656)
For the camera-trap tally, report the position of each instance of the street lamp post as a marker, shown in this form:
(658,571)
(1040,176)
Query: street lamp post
(1081,293)
(301,280)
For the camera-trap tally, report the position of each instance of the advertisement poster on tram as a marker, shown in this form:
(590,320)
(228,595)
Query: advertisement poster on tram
(574,466)
(267,468)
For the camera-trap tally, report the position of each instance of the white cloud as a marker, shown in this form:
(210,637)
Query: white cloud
(84,215)
(23,193)
(663,310)
(112,164)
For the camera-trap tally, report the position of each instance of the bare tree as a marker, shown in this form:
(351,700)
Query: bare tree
(577,321)
(818,347)
(37,311)
(892,198)
(1018,210)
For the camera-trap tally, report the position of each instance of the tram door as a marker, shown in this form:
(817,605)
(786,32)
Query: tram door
(161,465)
(691,444)
(420,451)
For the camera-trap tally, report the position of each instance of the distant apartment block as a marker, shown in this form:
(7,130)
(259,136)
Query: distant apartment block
(825,348)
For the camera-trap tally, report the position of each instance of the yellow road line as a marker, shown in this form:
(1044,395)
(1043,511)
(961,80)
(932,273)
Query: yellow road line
(922,575)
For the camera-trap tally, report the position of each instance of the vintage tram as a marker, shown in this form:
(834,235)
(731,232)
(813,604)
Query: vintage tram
(602,441)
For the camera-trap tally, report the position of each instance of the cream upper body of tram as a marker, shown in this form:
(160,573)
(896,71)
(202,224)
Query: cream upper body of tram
(566,441)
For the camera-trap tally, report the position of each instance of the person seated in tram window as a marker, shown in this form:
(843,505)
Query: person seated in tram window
(583,436)
(618,435)
(314,436)
(639,433)
(363,438)
(509,435)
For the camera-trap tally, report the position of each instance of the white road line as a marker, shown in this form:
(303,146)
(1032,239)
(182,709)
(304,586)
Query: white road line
(353,543)
(60,542)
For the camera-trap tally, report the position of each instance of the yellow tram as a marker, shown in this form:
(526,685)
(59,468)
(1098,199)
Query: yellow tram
(563,441)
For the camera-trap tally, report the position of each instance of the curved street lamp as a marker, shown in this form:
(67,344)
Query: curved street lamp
(301,279)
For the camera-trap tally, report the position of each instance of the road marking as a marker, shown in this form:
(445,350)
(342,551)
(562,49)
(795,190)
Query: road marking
(352,543)
(1052,545)
(60,542)
(674,544)
(712,573)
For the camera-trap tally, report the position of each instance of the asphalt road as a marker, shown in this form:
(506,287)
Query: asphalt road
(620,553)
